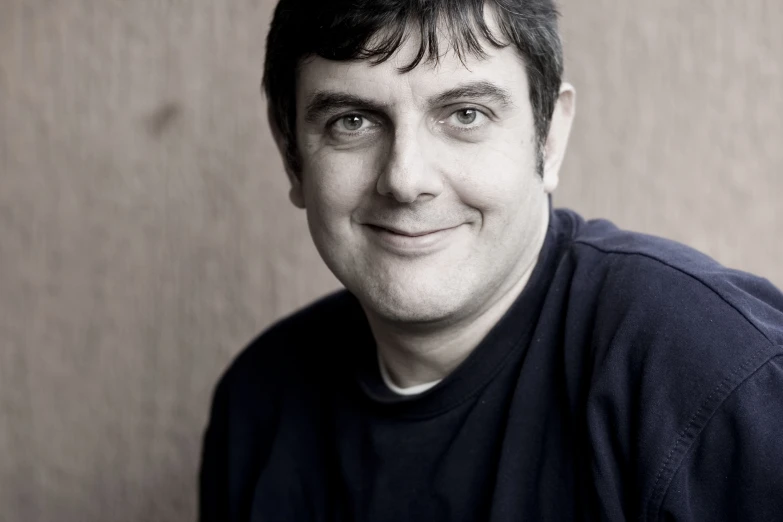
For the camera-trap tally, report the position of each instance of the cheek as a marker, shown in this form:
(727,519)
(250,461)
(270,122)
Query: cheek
(499,181)
(336,183)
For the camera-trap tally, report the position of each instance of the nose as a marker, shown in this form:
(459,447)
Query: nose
(409,172)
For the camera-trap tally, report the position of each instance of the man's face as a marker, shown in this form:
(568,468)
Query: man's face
(421,188)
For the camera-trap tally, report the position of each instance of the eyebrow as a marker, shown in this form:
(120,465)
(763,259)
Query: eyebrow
(326,102)
(479,90)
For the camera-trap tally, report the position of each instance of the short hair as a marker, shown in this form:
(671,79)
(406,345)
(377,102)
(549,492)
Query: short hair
(374,30)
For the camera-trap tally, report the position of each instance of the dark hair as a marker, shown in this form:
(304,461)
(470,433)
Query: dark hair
(374,30)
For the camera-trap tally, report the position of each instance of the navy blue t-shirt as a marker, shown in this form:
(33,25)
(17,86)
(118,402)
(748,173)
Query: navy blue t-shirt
(633,379)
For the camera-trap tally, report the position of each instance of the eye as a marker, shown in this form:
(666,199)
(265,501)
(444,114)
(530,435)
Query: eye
(467,118)
(351,123)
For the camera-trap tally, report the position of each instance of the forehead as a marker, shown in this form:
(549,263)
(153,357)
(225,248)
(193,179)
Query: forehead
(502,67)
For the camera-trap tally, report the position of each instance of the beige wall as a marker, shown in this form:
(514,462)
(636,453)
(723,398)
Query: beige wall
(145,233)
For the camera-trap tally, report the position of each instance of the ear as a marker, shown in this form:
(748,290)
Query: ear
(296,193)
(557,139)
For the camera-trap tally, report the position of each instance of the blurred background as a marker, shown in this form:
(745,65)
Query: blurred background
(146,234)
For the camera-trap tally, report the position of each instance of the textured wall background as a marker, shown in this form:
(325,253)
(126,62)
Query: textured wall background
(146,236)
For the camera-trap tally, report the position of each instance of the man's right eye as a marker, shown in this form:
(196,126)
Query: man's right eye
(351,123)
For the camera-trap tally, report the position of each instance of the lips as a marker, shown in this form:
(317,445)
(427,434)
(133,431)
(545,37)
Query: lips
(408,233)
(411,243)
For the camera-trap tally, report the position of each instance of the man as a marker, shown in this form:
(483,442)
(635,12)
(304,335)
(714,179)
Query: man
(491,359)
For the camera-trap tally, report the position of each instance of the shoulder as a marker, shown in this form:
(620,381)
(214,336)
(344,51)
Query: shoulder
(675,285)
(670,321)
(676,337)
(248,401)
(285,351)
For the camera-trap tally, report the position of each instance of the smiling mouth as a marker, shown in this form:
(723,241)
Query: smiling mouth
(404,233)
(410,243)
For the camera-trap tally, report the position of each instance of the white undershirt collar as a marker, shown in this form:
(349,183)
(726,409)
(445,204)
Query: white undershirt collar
(410,390)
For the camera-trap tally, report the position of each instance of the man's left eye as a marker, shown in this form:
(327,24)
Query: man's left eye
(467,117)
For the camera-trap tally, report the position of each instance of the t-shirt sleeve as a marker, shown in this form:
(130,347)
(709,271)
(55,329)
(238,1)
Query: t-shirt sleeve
(242,423)
(734,470)
(213,474)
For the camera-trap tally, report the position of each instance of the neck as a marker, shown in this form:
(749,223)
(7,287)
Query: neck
(416,354)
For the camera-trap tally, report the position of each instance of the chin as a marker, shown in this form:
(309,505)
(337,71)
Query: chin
(423,291)
(409,305)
